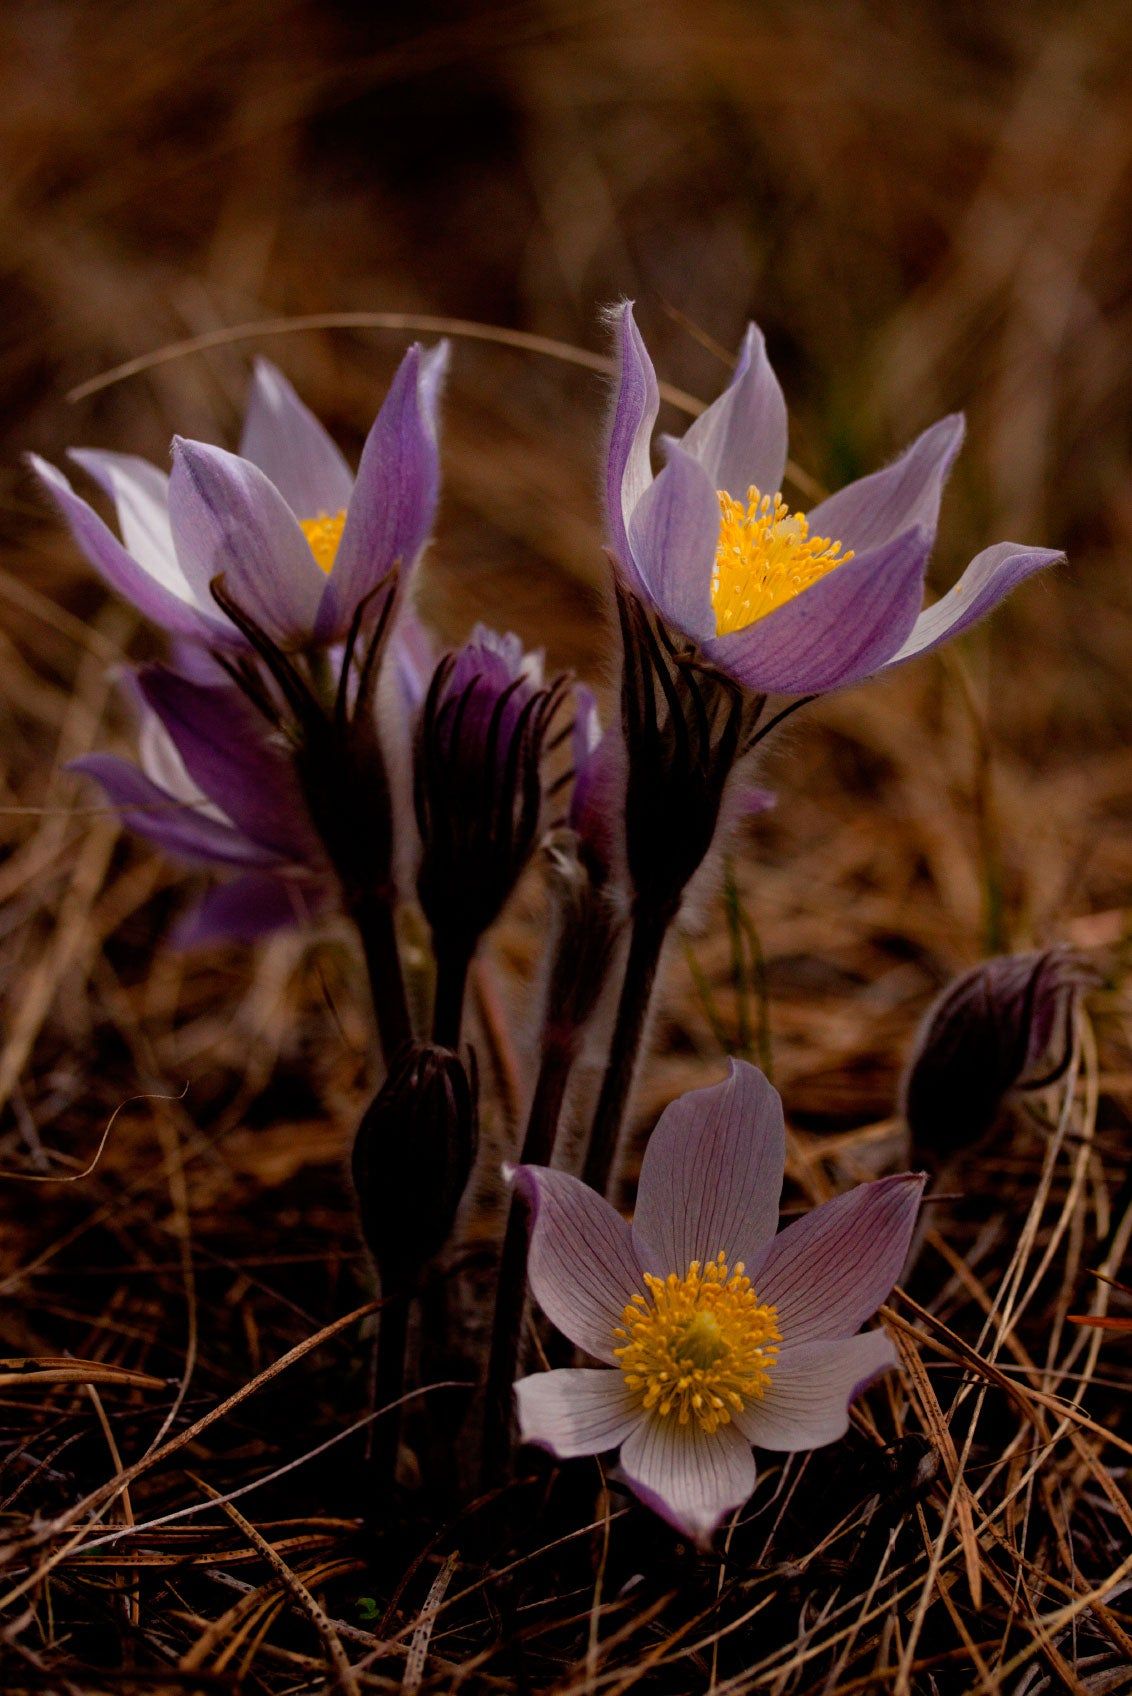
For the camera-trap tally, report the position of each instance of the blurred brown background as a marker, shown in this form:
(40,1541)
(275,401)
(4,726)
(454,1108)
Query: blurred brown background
(925,205)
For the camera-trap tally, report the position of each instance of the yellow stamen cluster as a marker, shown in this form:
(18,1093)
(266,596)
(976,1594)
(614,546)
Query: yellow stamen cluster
(701,1346)
(324,534)
(765,556)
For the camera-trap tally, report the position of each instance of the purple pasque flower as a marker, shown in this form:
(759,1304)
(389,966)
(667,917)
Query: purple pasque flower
(788,603)
(213,791)
(299,540)
(715,1333)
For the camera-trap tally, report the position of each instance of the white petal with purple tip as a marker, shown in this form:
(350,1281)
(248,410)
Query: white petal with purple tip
(873,510)
(577,1410)
(712,1175)
(583,1269)
(691,1479)
(140,492)
(811,1387)
(174,607)
(830,1270)
(229,520)
(740,439)
(285,439)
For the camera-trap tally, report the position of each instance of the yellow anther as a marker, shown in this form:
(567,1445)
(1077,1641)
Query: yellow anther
(765,556)
(702,1345)
(324,534)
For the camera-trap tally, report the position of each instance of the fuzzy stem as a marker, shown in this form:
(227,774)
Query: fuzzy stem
(650,927)
(558,1055)
(452,967)
(392,1340)
(372,913)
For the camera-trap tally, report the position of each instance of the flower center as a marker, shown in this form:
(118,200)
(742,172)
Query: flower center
(324,534)
(765,556)
(701,1346)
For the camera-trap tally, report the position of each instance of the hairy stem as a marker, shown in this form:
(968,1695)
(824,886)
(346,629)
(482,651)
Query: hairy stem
(392,1339)
(372,913)
(645,944)
(452,966)
(558,1055)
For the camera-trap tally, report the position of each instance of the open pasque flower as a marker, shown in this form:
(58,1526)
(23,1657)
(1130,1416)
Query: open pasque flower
(715,1333)
(786,602)
(299,540)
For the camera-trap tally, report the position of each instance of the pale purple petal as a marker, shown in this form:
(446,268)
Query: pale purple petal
(176,612)
(229,520)
(222,741)
(577,1410)
(140,492)
(583,1269)
(843,628)
(740,439)
(807,1402)
(285,439)
(712,1175)
(673,536)
(636,401)
(990,576)
(830,1270)
(691,1479)
(246,909)
(876,509)
(163,819)
(393,506)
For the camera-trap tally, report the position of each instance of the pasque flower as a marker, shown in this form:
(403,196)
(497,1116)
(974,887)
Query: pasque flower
(299,540)
(786,602)
(213,791)
(714,1333)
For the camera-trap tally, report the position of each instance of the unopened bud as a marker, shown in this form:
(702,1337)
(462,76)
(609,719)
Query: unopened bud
(1005,1026)
(477,783)
(412,1158)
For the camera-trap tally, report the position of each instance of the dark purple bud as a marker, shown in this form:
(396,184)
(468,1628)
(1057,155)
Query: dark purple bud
(477,783)
(412,1158)
(1005,1026)
(685,726)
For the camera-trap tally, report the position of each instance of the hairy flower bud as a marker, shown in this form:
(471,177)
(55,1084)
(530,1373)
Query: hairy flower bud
(478,783)
(412,1158)
(1006,1025)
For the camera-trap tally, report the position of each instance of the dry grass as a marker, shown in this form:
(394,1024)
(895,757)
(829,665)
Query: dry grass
(926,206)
